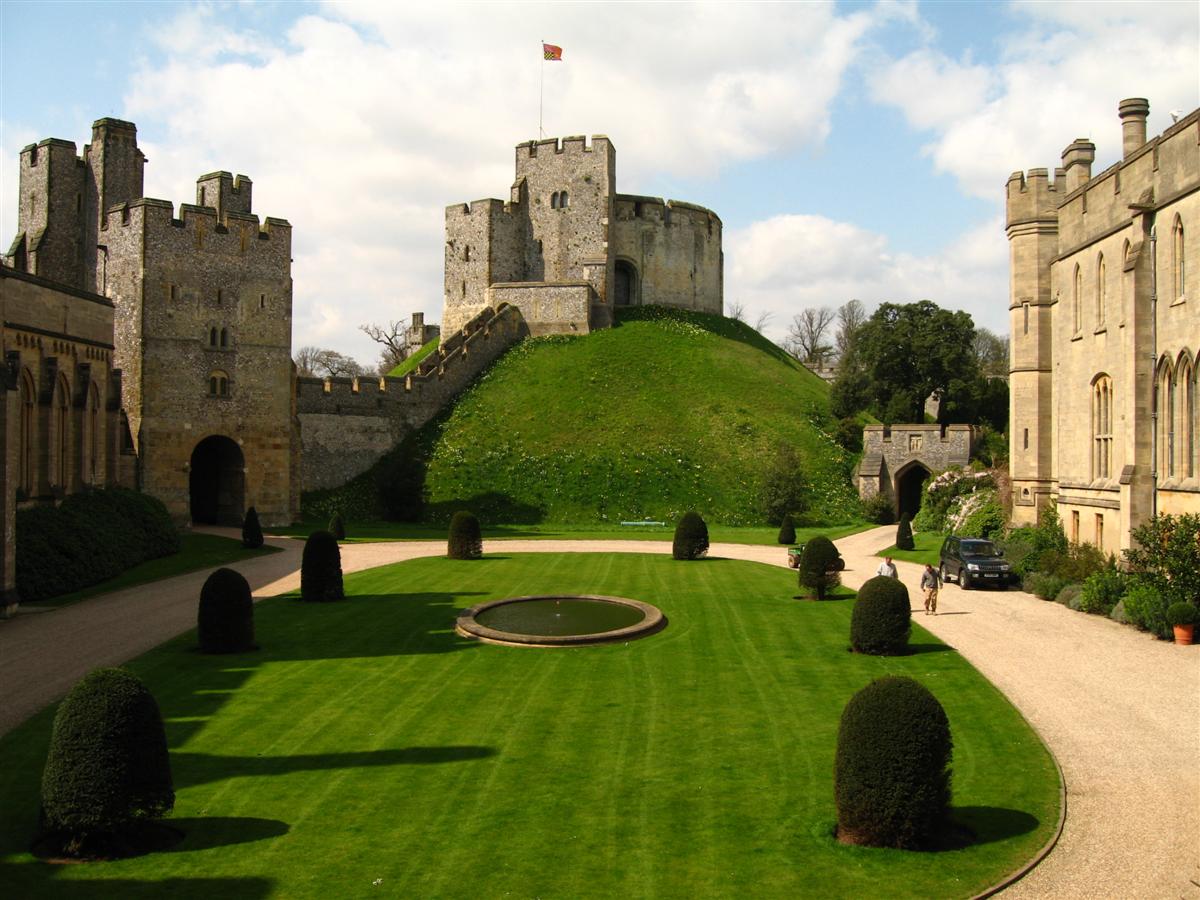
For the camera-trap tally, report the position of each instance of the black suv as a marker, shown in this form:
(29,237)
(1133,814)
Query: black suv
(973,562)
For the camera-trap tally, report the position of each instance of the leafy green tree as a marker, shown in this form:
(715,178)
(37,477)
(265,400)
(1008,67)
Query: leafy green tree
(1167,555)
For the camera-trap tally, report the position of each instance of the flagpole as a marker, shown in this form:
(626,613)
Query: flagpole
(541,91)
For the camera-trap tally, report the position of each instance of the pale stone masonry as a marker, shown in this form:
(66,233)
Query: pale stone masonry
(1105,319)
(897,460)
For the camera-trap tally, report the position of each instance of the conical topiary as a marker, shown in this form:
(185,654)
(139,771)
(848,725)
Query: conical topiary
(691,537)
(337,527)
(882,618)
(252,536)
(225,619)
(787,530)
(108,766)
(904,537)
(465,540)
(891,770)
(321,568)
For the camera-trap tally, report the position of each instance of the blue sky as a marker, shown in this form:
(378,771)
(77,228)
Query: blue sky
(851,150)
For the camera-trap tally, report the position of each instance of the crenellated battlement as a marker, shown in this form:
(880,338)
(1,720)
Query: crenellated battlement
(1033,196)
(153,213)
(667,212)
(485,207)
(576,143)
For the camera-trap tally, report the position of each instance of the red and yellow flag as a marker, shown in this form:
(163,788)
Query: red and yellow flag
(549,51)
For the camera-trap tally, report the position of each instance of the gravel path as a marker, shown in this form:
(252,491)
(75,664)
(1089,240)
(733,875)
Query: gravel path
(1118,708)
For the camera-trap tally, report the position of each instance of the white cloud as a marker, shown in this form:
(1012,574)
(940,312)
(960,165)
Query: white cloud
(789,262)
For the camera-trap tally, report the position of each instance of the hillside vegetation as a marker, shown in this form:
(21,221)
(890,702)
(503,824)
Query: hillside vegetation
(668,411)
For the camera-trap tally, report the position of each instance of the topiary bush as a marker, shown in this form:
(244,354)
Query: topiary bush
(878,509)
(108,765)
(337,527)
(466,540)
(1102,591)
(1182,614)
(891,771)
(691,537)
(787,530)
(1146,608)
(225,620)
(904,537)
(819,566)
(882,618)
(321,569)
(252,536)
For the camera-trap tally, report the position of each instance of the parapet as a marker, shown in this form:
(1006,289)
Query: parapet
(224,192)
(159,213)
(1032,196)
(576,143)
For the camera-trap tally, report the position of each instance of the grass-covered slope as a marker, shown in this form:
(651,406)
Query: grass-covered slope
(667,412)
(410,363)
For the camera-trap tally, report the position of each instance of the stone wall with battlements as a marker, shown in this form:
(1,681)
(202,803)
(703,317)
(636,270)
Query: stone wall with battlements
(890,451)
(674,250)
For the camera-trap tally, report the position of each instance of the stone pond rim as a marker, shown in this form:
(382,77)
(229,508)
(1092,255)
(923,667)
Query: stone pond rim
(651,620)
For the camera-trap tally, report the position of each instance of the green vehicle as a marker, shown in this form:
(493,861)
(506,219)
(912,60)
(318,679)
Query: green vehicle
(794,559)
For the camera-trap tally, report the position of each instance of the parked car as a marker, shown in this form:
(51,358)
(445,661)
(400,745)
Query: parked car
(974,562)
(794,559)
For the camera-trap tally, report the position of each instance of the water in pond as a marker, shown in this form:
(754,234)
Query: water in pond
(559,617)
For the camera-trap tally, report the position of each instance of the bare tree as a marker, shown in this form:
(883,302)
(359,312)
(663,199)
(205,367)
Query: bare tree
(763,320)
(992,352)
(806,336)
(850,315)
(393,341)
(319,362)
(735,309)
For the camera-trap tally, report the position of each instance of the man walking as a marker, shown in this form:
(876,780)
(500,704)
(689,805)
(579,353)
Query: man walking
(887,568)
(930,582)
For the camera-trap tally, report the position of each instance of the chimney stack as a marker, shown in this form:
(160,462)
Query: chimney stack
(1077,162)
(1133,114)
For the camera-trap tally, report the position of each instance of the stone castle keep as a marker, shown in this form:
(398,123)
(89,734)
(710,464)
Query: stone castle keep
(153,349)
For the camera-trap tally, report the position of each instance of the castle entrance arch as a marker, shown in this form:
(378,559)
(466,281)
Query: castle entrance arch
(217,482)
(625,286)
(910,481)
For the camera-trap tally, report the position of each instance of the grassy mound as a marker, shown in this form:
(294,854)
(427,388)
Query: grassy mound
(410,363)
(669,411)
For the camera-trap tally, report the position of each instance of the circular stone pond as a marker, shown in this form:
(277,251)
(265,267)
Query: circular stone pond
(566,620)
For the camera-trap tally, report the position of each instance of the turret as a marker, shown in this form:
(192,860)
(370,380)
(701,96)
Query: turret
(1077,163)
(1133,113)
(224,193)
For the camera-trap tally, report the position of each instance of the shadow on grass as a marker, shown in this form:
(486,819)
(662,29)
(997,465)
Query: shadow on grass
(39,880)
(989,824)
(917,649)
(208,832)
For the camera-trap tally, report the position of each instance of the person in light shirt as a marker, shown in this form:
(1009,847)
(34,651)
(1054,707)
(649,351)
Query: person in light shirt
(887,568)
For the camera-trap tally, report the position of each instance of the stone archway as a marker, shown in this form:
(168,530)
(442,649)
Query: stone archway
(910,482)
(625,284)
(216,484)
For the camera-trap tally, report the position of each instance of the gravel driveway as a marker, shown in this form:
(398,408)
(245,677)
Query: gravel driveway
(1118,708)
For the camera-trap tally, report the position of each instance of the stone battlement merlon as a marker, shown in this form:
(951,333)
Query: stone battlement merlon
(475,207)
(115,124)
(664,208)
(576,143)
(1032,196)
(162,212)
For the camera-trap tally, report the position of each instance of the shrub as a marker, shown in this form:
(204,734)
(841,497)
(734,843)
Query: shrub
(1167,554)
(891,772)
(321,568)
(1077,563)
(818,567)
(848,432)
(337,527)
(882,617)
(252,536)
(904,537)
(787,530)
(878,509)
(1102,591)
(785,488)
(466,540)
(1181,614)
(1118,613)
(89,538)
(107,766)
(1044,585)
(691,537)
(1146,608)
(942,492)
(225,620)
(1068,595)
(977,515)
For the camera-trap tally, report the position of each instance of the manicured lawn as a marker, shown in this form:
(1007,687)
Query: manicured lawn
(927,544)
(199,551)
(366,532)
(367,750)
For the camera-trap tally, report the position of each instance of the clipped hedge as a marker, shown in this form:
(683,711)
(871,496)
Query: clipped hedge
(818,566)
(787,530)
(252,535)
(891,771)
(225,618)
(89,538)
(882,618)
(691,537)
(321,569)
(108,765)
(465,540)
(904,535)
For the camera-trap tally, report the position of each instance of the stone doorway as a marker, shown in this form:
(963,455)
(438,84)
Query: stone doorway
(625,284)
(217,482)
(910,483)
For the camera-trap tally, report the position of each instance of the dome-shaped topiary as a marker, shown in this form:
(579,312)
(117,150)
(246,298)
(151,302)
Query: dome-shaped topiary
(904,538)
(819,565)
(225,620)
(882,617)
(337,527)
(108,765)
(691,537)
(321,568)
(466,540)
(787,530)
(252,536)
(891,774)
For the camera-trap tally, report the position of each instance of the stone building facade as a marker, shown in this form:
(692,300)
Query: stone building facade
(203,308)
(1105,318)
(898,459)
(60,407)
(566,248)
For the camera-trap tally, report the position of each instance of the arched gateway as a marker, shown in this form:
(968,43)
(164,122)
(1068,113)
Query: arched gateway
(898,459)
(217,482)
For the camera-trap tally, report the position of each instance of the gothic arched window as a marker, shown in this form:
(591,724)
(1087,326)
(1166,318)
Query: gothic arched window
(1178,267)
(28,431)
(1076,291)
(1102,404)
(1101,292)
(218,384)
